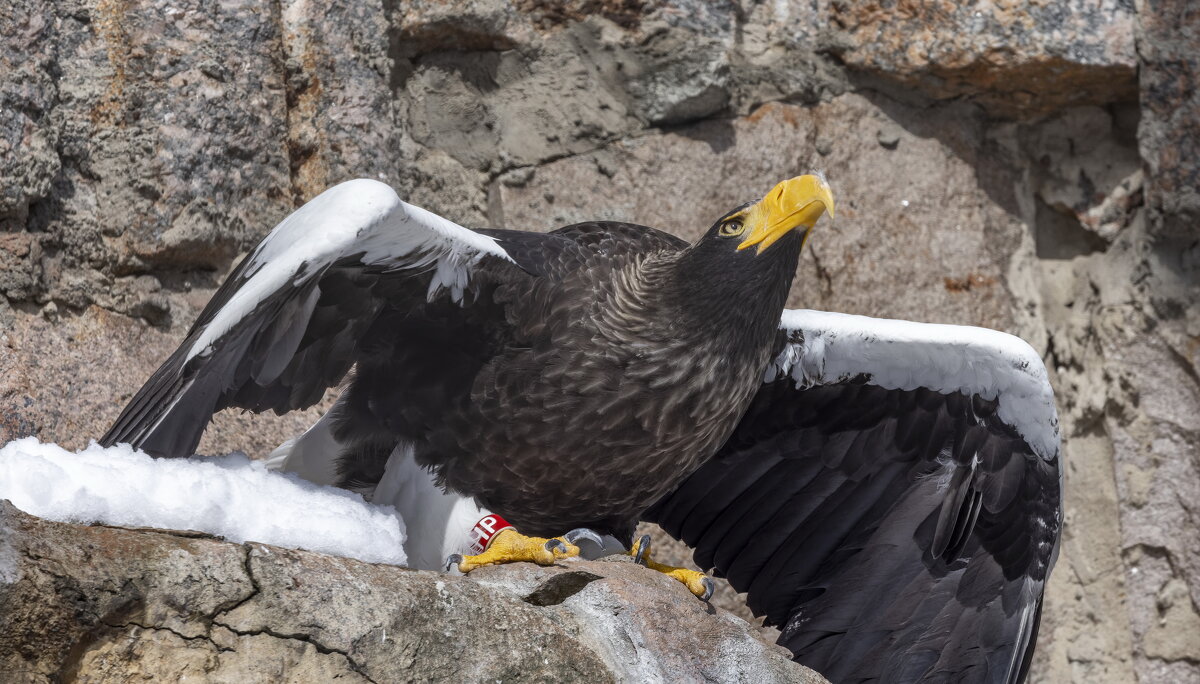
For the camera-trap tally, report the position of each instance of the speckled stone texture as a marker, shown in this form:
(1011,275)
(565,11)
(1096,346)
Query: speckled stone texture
(1169,47)
(1027,167)
(1014,58)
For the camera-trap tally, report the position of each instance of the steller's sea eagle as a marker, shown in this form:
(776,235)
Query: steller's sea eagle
(888,493)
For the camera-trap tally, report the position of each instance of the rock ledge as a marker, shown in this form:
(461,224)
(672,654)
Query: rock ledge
(105,604)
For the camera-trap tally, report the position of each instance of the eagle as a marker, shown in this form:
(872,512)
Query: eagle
(888,493)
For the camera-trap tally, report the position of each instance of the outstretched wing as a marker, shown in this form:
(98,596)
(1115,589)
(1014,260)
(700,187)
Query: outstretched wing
(891,500)
(288,322)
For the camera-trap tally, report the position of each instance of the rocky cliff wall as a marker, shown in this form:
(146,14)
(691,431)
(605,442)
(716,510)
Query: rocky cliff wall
(1028,169)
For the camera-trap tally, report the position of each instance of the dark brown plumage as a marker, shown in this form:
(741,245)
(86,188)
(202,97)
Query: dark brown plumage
(602,380)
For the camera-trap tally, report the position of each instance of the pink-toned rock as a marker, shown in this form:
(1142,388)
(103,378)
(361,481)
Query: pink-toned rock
(1015,58)
(66,380)
(1169,135)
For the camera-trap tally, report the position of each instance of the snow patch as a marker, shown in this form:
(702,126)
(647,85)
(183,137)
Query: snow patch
(229,496)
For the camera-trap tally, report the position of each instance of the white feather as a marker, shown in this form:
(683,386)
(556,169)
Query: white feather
(313,455)
(358,217)
(944,358)
(439,524)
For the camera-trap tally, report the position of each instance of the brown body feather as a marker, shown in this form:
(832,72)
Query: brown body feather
(574,397)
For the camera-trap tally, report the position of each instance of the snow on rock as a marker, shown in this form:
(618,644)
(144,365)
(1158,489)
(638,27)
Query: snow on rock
(229,496)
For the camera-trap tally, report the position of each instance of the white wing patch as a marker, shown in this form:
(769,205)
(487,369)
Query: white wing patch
(906,355)
(442,521)
(312,455)
(358,217)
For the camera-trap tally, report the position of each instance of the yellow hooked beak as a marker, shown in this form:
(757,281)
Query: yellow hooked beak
(796,202)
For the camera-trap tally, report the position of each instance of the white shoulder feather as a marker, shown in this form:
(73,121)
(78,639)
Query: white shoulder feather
(359,218)
(828,347)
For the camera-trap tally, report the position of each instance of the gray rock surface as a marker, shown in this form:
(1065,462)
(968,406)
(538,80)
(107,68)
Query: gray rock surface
(1168,37)
(1012,58)
(100,604)
(1032,169)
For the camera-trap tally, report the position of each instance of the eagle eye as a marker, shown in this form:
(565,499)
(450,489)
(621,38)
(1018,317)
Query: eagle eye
(732,228)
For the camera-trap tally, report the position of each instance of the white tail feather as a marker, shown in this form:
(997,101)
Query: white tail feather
(313,455)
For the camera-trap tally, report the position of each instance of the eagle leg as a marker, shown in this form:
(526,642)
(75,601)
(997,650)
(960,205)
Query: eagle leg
(697,582)
(510,546)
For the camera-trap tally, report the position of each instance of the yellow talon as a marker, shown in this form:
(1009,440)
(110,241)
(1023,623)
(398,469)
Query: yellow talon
(510,546)
(698,583)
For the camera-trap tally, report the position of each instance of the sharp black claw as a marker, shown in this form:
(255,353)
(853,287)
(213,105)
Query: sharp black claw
(583,533)
(643,550)
(453,560)
(553,545)
(709,588)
